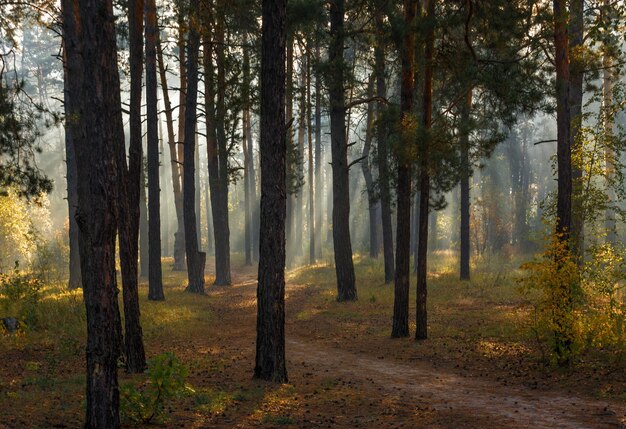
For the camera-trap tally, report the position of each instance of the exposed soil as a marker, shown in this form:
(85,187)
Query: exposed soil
(342,374)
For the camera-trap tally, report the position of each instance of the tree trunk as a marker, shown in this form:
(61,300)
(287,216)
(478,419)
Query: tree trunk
(465,187)
(290,167)
(576,70)
(609,152)
(372,201)
(217,152)
(155,276)
(176,167)
(75,280)
(311,220)
(400,326)
(130,182)
(143,226)
(247,141)
(382,159)
(564,177)
(94,90)
(319,183)
(270,344)
(298,200)
(344,268)
(195,259)
(421,317)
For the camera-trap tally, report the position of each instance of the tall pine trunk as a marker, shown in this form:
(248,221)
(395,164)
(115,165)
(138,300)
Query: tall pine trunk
(421,316)
(93,85)
(465,187)
(217,147)
(270,344)
(175,162)
(382,158)
(344,267)
(155,276)
(400,326)
(195,259)
(576,71)
(75,280)
(130,183)
(319,183)
(247,141)
(563,333)
(311,221)
(372,200)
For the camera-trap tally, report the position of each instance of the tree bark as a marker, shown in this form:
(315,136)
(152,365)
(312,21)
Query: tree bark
(319,183)
(270,344)
(129,181)
(372,201)
(195,259)
(382,159)
(465,187)
(94,90)
(155,276)
(421,316)
(247,141)
(311,221)
(75,280)
(576,71)
(176,167)
(564,170)
(400,326)
(143,226)
(217,150)
(344,267)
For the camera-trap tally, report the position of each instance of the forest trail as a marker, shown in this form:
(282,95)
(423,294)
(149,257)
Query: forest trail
(447,399)
(430,388)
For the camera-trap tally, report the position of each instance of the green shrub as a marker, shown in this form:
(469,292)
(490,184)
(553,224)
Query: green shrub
(22,293)
(166,381)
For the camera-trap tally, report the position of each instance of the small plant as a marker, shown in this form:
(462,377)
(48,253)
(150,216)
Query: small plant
(24,291)
(166,381)
(556,276)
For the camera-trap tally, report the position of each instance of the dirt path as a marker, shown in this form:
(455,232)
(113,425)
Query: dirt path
(453,400)
(436,391)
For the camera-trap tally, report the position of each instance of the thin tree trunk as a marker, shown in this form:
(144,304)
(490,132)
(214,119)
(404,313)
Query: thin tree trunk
(609,152)
(382,159)
(247,141)
(400,325)
(564,176)
(176,167)
(270,344)
(155,276)
(465,187)
(421,317)
(290,167)
(318,152)
(97,133)
(372,201)
(129,181)
(576,70)
(299,200)
(143,226)
(216,153)
(311,221)
(75,280)
(344,267)
(195,259)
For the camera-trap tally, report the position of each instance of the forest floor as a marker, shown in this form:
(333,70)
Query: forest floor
(480,369)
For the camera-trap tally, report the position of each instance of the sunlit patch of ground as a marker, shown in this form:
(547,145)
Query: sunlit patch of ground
(478,329)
